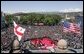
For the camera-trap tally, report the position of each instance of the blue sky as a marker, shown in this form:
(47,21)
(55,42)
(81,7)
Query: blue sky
(35,6)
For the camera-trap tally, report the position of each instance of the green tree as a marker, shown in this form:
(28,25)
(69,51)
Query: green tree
(57,19)
(9,19)
(47,19)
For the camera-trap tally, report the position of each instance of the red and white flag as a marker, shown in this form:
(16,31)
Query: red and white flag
(19,31)
(71,27)
(74,28)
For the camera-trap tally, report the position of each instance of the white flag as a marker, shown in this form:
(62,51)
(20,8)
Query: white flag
(19,31)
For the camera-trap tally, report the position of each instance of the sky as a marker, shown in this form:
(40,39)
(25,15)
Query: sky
(39,6)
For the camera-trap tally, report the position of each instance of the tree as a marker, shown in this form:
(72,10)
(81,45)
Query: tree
(24,20)
(47,19)
(3,22)
(57,19)
(9,19)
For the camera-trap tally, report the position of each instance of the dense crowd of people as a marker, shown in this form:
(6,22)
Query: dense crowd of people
(54,32)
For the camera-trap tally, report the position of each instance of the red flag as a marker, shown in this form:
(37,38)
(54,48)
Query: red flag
(19,31)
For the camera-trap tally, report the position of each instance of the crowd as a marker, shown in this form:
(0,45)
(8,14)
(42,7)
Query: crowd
(54,32)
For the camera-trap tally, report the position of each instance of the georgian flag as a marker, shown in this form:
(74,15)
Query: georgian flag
(19,31)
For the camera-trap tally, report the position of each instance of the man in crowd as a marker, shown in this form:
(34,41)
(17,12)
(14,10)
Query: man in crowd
(59,47)
(16,47)
(62,47)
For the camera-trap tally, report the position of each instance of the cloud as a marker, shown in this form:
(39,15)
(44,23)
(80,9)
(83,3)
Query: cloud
(71,10)
(9,12)
(42,10)
(24,11)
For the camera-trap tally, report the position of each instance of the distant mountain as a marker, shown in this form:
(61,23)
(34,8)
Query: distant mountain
(19,13)
(63,13)
(57,13)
